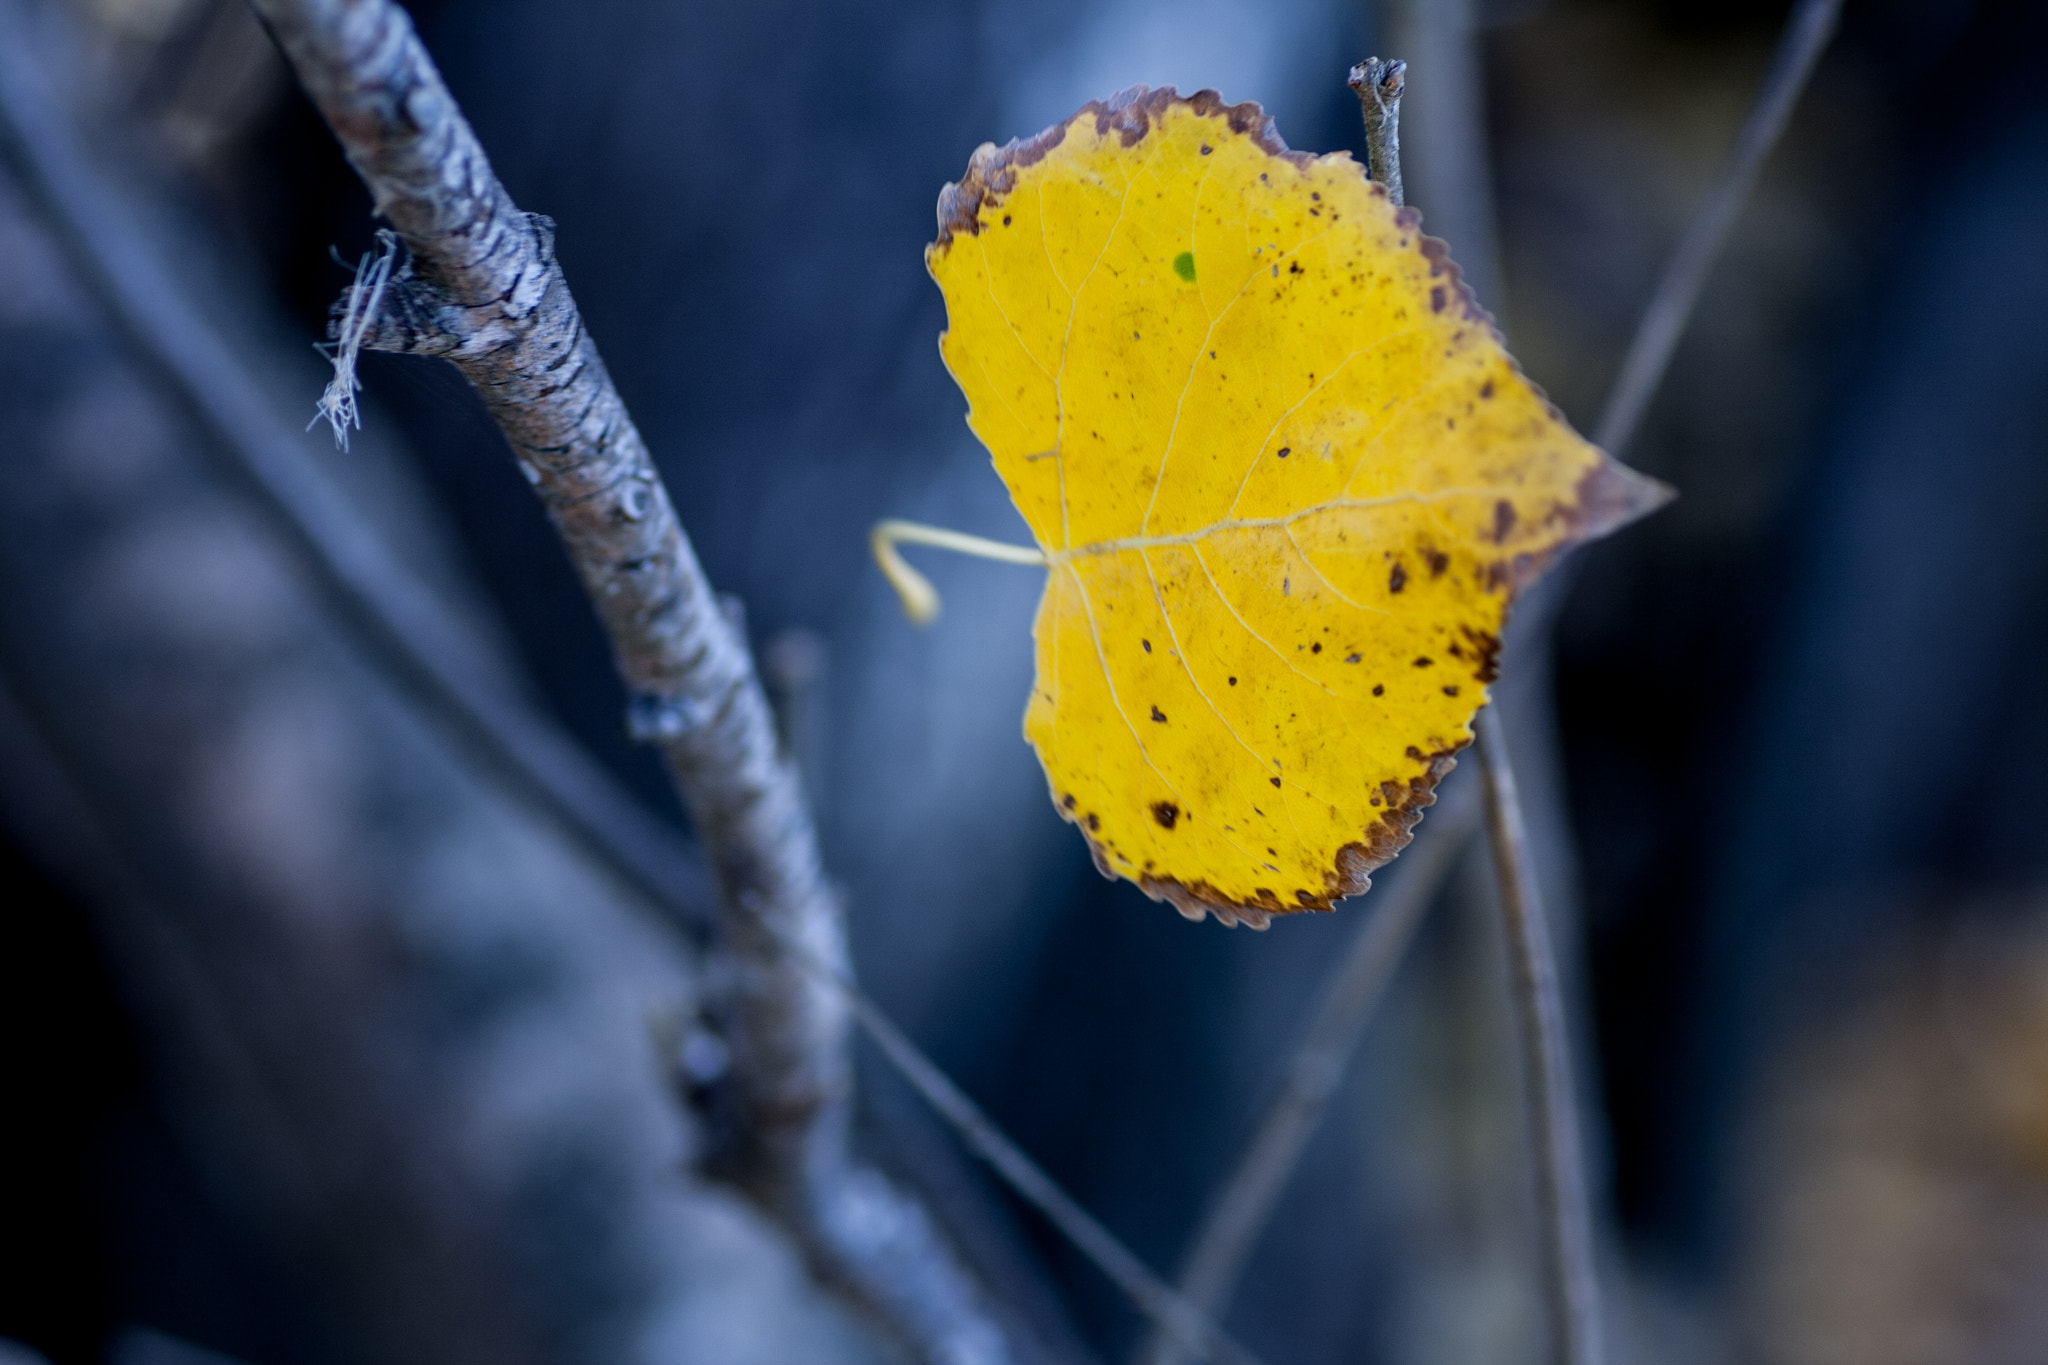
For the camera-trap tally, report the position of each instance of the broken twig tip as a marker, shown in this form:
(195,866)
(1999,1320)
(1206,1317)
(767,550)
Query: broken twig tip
(1378,83)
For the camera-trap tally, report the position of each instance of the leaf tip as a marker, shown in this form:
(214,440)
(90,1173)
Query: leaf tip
(1612,495)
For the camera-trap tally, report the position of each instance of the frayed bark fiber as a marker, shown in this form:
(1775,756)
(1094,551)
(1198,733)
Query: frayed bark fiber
(482,289)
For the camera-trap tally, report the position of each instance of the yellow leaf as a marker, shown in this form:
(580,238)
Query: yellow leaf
(1284,477)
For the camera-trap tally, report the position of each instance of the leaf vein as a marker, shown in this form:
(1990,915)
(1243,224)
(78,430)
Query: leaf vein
(1166,615)
(1109,681)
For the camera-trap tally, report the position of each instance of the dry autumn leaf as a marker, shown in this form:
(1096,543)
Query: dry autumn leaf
(1284,478)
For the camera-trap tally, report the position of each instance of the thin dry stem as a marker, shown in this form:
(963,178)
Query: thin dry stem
(1562,1199)
(1181,1321)
(1245,1204)
(1378,84)
(1807,34)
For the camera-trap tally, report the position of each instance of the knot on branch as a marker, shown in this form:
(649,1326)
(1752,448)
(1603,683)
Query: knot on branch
(414,313)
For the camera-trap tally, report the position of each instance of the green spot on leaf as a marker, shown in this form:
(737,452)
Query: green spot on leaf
(1184,266)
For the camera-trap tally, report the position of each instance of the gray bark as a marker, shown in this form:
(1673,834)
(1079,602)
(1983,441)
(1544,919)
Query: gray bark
(482,289)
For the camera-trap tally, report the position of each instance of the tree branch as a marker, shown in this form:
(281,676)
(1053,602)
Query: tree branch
(1562,1199)
(1807,34)
(1563,1202)
(483,289)
(1242,1208)
(1181,1321)
(1239,1211)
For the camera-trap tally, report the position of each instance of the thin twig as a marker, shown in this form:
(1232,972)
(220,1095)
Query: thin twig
(1242,1209)
(1806,36)
(1562,1198)
(482,288)
(1214,1265)
(1184,1323)
(1378,84)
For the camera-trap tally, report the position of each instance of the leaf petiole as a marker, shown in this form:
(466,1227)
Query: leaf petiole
(920,599)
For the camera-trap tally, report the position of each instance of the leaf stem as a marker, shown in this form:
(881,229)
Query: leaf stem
(1561,1195)
(920,599)
(1378,84)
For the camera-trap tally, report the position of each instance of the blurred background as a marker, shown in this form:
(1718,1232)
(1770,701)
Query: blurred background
(319,1048)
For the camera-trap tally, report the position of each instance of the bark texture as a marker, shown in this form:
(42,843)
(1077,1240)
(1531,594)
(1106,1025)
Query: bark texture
(483,290)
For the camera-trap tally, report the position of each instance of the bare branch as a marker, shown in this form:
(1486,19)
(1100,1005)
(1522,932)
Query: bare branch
(1183,1322)
(1807,34)
(1564,1202)
(398,619)
(483,289)
(1378,85)
(1239,1211)
(1245,1204)
(1561,1194)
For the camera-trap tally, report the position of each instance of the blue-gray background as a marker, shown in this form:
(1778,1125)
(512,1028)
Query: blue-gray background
(1801,712)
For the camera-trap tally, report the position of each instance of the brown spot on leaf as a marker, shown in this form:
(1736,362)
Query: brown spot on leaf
(1379,689)
(1436,299)
(1147,644)
(1094,821)
(1274,780)
(1424,661)
(1165,812)
(1402,804)
(1486,651)
(1398,579)
(1450,689)
(1159,715)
